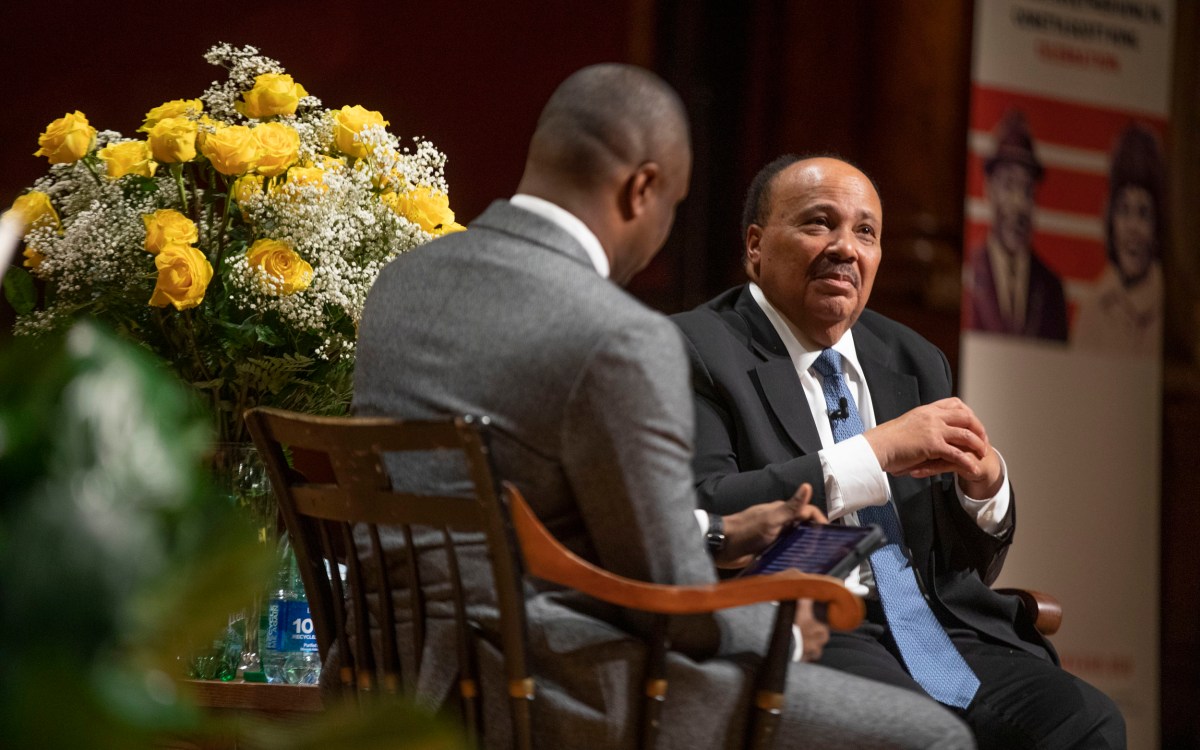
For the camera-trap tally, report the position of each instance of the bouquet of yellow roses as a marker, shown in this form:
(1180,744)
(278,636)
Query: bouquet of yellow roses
(236,238)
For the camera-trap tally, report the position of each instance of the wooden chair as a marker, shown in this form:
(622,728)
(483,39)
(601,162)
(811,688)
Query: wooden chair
(337,481)
(1043,610)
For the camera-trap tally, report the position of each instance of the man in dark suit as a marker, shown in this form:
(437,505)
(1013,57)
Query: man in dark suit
(588,395)
(795,381)
(1009,289)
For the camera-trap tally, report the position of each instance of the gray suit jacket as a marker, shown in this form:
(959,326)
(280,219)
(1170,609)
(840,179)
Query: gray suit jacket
(588,393)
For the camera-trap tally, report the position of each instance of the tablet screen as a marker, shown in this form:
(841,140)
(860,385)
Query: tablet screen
(826,549)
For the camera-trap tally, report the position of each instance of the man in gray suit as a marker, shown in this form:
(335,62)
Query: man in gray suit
(588,393)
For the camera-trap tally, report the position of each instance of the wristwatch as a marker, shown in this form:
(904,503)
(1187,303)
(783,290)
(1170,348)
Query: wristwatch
(715,536)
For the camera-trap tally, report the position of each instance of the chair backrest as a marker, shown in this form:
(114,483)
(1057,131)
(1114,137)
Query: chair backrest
(332,480)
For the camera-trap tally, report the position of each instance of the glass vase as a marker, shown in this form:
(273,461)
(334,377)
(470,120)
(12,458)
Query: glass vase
(239,473)
(241,477)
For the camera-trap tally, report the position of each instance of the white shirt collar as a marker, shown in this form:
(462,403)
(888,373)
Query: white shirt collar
(569,223)
(801,349)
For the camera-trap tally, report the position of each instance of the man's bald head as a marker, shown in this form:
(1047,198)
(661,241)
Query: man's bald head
(602,119)
(612,148)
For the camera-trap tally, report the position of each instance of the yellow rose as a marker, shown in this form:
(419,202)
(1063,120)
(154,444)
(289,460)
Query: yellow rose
(166,227)
(183,276)
(35,210)
(427,209)
(282,270)
(322,161)
(33,258)
(67,139)
(206,126)
(273,94)
(231,150)
(308,176)
(245,187)
(174,108)
(279,148)
(173,140)
(130,157)
(349,122)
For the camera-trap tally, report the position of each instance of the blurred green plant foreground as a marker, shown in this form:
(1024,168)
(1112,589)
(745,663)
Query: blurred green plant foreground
(117,557)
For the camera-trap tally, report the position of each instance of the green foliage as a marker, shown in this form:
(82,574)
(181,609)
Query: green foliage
(114,553)
(19,291)
(272,374)
(117,557)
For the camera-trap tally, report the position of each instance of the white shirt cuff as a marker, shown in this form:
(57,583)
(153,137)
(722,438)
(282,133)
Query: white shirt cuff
(991,514)
(853,477)
(702,519)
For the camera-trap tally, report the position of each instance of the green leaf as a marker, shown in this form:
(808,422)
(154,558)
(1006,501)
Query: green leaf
(272,374)
(268,336)
(18,289)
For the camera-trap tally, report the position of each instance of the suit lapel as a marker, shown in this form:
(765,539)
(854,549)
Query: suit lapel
(892,392)
(785,397)
(777,377)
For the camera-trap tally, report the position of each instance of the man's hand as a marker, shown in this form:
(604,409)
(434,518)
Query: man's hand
(749,532)
(814,633)
(935,438)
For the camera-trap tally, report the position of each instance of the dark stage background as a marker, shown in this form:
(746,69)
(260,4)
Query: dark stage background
(882,83)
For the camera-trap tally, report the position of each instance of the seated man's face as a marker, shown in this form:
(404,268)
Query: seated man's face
(1010,194)
(816,256)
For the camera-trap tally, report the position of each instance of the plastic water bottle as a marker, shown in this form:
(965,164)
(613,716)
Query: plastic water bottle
(289,645)
(302,666)
(275,611)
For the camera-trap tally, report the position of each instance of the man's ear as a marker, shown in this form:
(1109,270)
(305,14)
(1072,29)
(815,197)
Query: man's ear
(753,255)
(638,187)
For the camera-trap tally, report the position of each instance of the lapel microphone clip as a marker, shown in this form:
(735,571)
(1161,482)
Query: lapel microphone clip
(843,410)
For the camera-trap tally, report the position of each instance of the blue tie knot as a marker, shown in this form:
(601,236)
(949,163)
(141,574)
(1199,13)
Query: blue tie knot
(829,364)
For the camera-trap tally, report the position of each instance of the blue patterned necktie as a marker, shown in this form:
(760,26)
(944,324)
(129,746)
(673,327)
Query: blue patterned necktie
(930,656)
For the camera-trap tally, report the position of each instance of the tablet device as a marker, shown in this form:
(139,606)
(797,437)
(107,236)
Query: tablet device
(819,548)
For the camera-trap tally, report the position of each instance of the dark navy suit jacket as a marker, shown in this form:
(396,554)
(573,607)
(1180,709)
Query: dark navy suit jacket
(756,441)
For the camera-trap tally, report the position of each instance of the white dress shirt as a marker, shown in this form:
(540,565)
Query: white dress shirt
(853,477)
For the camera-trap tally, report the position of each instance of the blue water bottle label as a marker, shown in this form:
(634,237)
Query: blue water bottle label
(277,612)
(297,629)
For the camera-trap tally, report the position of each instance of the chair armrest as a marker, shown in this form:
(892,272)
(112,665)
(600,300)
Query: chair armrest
(1043,610)
(546,558)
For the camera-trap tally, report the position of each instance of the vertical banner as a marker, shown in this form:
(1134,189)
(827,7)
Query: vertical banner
(1066,223)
